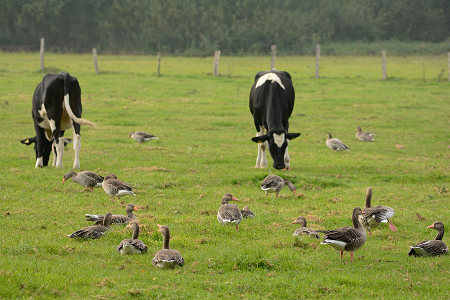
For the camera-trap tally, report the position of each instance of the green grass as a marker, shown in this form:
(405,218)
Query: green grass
(205,150)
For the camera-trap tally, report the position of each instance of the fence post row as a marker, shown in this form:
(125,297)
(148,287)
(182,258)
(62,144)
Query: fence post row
(317,60)
(159,64)
(273,48)
(448,54)
(383,55)
(94,54)
(216,63)
(42,54)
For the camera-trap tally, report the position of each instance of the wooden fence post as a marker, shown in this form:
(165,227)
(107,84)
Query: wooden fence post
(317,60)
(42,54)
(159,64)
(383,55)
(94,54)
(448,53)
(216,63)
(274,54)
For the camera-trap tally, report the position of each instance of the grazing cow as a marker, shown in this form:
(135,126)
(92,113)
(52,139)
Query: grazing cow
(271,103)
(48,146)
(57,107)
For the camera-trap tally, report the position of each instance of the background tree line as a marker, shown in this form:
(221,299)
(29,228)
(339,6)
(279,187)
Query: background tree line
(198,27)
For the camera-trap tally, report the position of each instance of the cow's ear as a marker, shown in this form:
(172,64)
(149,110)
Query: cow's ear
(260,139)
(291,136)
(28,141)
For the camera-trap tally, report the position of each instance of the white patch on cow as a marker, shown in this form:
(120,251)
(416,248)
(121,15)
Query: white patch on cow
(279,139)
(65,122)
(261,160)
(287,159)
(59,153)
(54,154)
(76,148)
(43,114)
(39,162)
(269,76)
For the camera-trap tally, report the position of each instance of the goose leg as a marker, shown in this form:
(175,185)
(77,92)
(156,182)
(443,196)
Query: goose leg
(237,228)
(342,254)
(391,226)
(351,257)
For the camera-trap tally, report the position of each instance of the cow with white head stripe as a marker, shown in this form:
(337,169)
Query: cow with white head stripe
(271,103)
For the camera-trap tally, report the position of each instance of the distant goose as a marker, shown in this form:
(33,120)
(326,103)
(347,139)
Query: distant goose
(141,136)
(133,245)
(433,247)
(115,219)
(274,184)
(95,231)
(247,213)
(229,214)
(335,144)
(116,187)
(374,216)
(88,179)
(346,238)
(303,230)
(364,136)
(166,257)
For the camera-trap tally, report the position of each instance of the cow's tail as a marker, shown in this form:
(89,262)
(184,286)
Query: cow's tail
(80,121)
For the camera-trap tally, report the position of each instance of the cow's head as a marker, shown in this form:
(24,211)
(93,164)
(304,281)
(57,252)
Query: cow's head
(47,148)
(278,142)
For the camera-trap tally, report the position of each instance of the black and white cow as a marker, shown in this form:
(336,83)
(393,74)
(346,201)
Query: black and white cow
(271,103)
(49,146)
(57,107)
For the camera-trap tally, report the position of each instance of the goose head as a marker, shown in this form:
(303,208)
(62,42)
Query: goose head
(301,221)
(228,197)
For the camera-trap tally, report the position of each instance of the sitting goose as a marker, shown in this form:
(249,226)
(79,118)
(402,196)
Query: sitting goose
(229,213)
(303,230)
(95,231)
(141,136)
(335,144)
(433,247)
(247,213)
(115,219)
(166,257)
(274,184)
(88,179)
(133,245)
(364,136)
(115,187)
(346,238)
(374,216)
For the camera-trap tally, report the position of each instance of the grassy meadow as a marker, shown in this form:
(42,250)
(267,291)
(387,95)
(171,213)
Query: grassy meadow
(204,150)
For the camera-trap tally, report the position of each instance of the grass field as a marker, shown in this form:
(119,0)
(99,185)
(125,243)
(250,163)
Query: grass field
(204,150)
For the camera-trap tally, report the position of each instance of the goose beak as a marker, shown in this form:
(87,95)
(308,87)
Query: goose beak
(431,226)
(129,225)
(159,226)
(234,198)
(363,212)
(293,222)
(63,180)
(135,208)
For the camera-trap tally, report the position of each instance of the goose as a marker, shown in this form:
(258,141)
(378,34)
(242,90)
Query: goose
(247,213)
(141,136)
(303,230)
(335,144)
(374,216)
(116,187)
(88,179)
(364,136)
(347,238)
(433,247)
(95,231)
(229,213)
(166,257)
(133,245)
(274,184)
(115,219)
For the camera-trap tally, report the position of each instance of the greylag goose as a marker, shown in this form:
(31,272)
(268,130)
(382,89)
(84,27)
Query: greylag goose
(133,245)
(141,136)
(364,136)
(115,219)
(116,187)
(247,213)
(374,216)
(88,179)
(347,238)
(229,213)
(303,230)
(95,231)
(433,247)
(274,184)
(335,144)
(166,257)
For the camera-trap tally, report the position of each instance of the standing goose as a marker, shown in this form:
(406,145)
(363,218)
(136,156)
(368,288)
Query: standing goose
(303,230)
(166,257)
(364,136)
(88,179)
(374,216)
(133,245)
(229,213)
(141,136)
(335,144)
(274,184)
(116,187)
(346,238)
(247,213)
(115,219)
(95,231)
(433,247)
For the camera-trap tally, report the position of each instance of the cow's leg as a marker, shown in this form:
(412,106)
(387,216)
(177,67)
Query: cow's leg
(40,145)
(261,160)
(59,144)
(287,160)
(76,144)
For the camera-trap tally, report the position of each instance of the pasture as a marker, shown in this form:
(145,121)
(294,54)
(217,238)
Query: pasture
(203,151)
